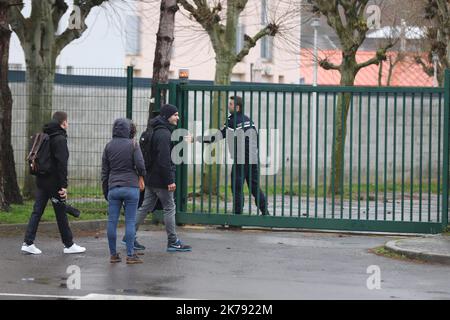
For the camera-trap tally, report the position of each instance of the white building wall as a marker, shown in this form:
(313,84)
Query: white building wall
(193,50)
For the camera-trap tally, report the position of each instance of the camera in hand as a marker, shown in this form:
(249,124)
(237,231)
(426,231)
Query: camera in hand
(69,209)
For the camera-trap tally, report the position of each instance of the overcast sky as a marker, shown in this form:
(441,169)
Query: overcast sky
(101,46)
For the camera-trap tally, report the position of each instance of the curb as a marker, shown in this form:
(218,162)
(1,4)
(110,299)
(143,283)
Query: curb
(417,254)
(48,227)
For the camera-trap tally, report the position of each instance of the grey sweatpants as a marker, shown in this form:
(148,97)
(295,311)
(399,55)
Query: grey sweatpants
(168,203)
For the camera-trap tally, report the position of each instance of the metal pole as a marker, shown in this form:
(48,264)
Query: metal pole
(130,71)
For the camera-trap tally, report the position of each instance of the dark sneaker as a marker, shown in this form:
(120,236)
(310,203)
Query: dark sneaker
(115,258)
(137,245)
(134,259)
(236,228)
(266,213)
(178,246)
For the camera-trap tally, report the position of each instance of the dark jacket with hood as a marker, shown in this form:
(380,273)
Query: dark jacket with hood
(162,169)
(237,130)
(57,179)
(122,161)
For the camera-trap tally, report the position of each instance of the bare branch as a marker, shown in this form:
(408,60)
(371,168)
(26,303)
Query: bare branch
(71,34)
(269,30)
(59,9)
(325,64)
(17,21)
(380,56)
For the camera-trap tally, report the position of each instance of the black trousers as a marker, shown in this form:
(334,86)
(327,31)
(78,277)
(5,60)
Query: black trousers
(42,197)
(249,173)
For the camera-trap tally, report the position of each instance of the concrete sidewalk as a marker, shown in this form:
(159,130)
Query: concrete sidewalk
(434,249)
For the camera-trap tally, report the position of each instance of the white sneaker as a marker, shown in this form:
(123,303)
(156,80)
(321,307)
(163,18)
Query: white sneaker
(74,249)
(31,249)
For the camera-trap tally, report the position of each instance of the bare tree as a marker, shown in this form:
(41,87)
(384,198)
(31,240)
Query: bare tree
(9,189)
(164,42)
(41,45)
(347,18)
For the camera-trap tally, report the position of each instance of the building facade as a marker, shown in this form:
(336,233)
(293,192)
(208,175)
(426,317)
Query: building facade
(272,60)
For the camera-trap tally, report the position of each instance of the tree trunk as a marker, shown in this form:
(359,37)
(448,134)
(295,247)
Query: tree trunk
(9,189)
(164,42)
(348,74)
(224,67)
(40,80)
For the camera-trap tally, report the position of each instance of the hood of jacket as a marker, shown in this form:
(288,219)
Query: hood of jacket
(160,122)
(53,128)
(121,128)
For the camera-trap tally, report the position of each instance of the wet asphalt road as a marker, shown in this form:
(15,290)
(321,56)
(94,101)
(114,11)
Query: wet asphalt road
(224,264)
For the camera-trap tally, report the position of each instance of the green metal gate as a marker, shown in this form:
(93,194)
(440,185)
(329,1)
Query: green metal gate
(395,164)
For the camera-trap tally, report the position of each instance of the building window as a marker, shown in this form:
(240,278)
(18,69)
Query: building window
(267,48)
(240,33)
(132,34)
(264,18)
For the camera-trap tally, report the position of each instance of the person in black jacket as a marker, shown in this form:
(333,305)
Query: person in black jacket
(160,179)
(53,186)
(123,172)
(239,129)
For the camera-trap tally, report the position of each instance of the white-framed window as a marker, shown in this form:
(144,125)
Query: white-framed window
(267,48)
(133,35)
(240,33)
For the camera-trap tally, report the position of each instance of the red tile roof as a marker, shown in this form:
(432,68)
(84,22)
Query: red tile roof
(406,73)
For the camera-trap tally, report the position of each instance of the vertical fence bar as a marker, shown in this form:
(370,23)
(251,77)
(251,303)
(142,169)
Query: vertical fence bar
(250,186)
(226,158)
(316,141)
(359,154)
(446,150)
(267,146)
(292,156)
(429,156)
(300,138)
(283,162)
(377,134)
(325,157)
(258,200)
(350,204)
(276,157)
(368,157)
(343,131)
(130,71)
(194,191)
(420,156)
(386,98)
(439,154)
(394,164)
(412,158)
(403,156)
(202,178)
(308,155)
(217,153)
(333,160)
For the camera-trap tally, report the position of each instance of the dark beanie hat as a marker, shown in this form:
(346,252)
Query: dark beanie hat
(167,111)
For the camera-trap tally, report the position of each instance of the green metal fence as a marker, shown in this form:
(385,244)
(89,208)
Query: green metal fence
(395,161)
(395,168)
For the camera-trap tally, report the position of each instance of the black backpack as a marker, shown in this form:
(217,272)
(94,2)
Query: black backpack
(40,158)
(145,142)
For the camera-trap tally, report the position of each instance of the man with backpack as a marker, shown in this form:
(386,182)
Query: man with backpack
(156,145)
(48,161)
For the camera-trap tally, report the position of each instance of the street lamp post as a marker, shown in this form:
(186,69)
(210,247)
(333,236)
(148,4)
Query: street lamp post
(435,62)
(315,24)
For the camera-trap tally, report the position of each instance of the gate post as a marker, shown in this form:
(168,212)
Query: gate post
(446,151)
(130,71)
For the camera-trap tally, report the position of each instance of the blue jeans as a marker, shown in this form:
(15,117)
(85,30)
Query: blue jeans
(128,198)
